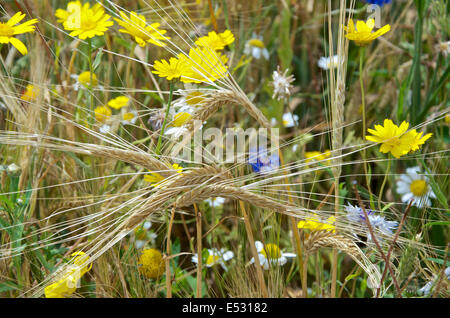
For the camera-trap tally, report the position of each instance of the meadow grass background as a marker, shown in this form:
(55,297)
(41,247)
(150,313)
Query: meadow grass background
(405,77)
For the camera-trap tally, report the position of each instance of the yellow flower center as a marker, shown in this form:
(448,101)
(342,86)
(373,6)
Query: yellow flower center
(88,23)
(180,119)
(85,79)
(257,43)
(151,263)
(212,259)
(195,98)
(128,116)
(271,251)
(419,188)
(393,141)
(6,30)
(30,94)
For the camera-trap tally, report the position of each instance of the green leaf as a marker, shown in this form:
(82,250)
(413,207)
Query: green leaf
(387,206)
(122,42)
(7,286)
(439,261)
(98,60)
(285,50)
(436,189)
(438,223)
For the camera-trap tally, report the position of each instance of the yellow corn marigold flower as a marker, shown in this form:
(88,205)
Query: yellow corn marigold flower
(205,65)
(151,263)
(362,34)
(92,22)
(85,79)
(172,69)
(31,93)
(156,179)
(216,41)
(415,139)
(315,224)
(9,29)
(119,102)
(136,26)
(317,156)
(67,283)
(69,18)
(397,140)
(102,113)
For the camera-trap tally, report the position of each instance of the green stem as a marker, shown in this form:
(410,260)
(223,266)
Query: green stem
(388,169)
(158,147)
(128,70)
(363,105)
(361,81)
(91,84)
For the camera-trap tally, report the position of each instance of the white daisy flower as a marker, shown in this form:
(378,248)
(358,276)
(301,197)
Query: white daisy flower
(270,255)
(84,81)
(256,48)
(143,235)
(190,97)
(444,48)
(13,168)
(289,120)
(147,225)
(129,117)
(176,127)
(215,256)
(218,201)
(415,186)
(282,84)
(326,63)
(104,129)
(176,132)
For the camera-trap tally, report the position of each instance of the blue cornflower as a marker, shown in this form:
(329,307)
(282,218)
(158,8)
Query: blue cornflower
(378,2)
(356,215)
(261,162)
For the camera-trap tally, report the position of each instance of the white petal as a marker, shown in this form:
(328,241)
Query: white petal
(431,194)
(228,255)
(147,225)
(256,52)
(405,178)
(259,246)
(406,197)
(289,255)
(139,244)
